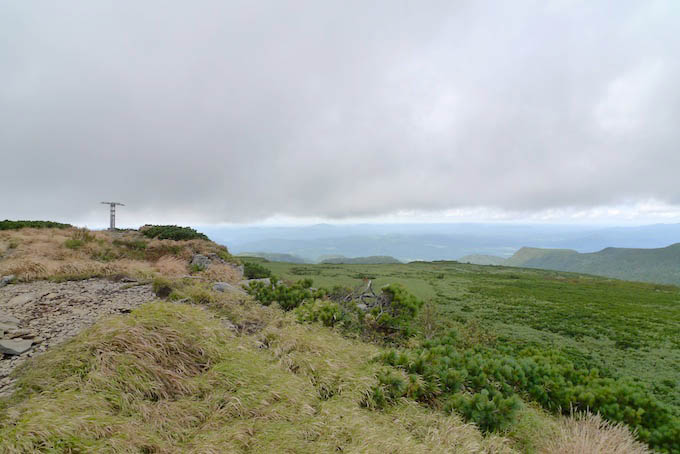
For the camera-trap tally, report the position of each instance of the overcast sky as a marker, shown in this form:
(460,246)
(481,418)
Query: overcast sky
(246,111)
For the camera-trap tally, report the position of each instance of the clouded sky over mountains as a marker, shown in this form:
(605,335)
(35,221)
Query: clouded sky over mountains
(237,111)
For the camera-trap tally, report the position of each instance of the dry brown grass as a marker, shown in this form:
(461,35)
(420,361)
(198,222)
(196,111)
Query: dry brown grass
(590,434)
(33,254)
(222,273)
(171,266)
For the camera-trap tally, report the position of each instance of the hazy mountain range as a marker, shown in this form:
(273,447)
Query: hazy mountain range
(653,265)
(408,242)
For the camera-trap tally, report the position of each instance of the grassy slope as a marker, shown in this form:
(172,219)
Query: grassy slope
(650,265)
(172,378)
(179,378)
(630,329)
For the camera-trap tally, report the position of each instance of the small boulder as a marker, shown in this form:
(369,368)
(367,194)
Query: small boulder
(227,287)
(4,280)
(214,258)
(23,333)
(15,346)
(200,261)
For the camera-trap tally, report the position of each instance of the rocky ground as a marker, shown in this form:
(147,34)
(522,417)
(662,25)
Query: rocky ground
(35,316)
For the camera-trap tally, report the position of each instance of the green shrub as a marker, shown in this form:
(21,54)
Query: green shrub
(484,385)
(171,232)
(326,312)
(73,243)
(288,297)
(252,270)
(396,310)
(15,225)
(392,318)
(489,410)
(78,238)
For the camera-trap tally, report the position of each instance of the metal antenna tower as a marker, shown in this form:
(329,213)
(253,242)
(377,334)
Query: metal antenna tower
(112,225)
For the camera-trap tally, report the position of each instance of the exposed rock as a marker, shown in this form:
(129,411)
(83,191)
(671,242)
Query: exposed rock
(227,287)
(23,333)
(4,280)
(14,347)
(6,319)
(20,300)
(203,261)
(200,261)
(214,258)
(51,313)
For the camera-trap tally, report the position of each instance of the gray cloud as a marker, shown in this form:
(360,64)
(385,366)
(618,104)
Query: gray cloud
(235,111)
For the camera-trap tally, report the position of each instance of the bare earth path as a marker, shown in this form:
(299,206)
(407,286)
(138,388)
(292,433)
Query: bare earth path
(42,314)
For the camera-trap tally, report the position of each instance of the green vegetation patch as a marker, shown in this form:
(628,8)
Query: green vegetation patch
(171,232)
(254,270)
(15,225)
(600,343)
(485,385)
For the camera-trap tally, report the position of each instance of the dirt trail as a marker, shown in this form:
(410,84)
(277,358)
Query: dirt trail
(41,314)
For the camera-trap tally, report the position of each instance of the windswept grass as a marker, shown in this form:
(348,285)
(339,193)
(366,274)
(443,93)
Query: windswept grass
(172,378)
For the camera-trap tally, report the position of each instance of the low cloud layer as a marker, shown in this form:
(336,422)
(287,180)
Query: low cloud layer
(237,111)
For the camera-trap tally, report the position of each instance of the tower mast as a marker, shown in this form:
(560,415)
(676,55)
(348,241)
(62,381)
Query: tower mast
(112,205)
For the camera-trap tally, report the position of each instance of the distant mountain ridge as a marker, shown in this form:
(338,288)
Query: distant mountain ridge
(482,259)
(660,265)
(370,260)
(275,257)
(409,242)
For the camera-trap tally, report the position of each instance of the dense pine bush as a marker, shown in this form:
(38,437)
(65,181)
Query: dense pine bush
(14,225)
(252,270)
(327,312)
(396,309)
(390,319)
(288,297)
(171,232)
(485,385)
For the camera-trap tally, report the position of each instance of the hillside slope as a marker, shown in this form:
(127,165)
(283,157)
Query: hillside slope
(205,371)
(660,265)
